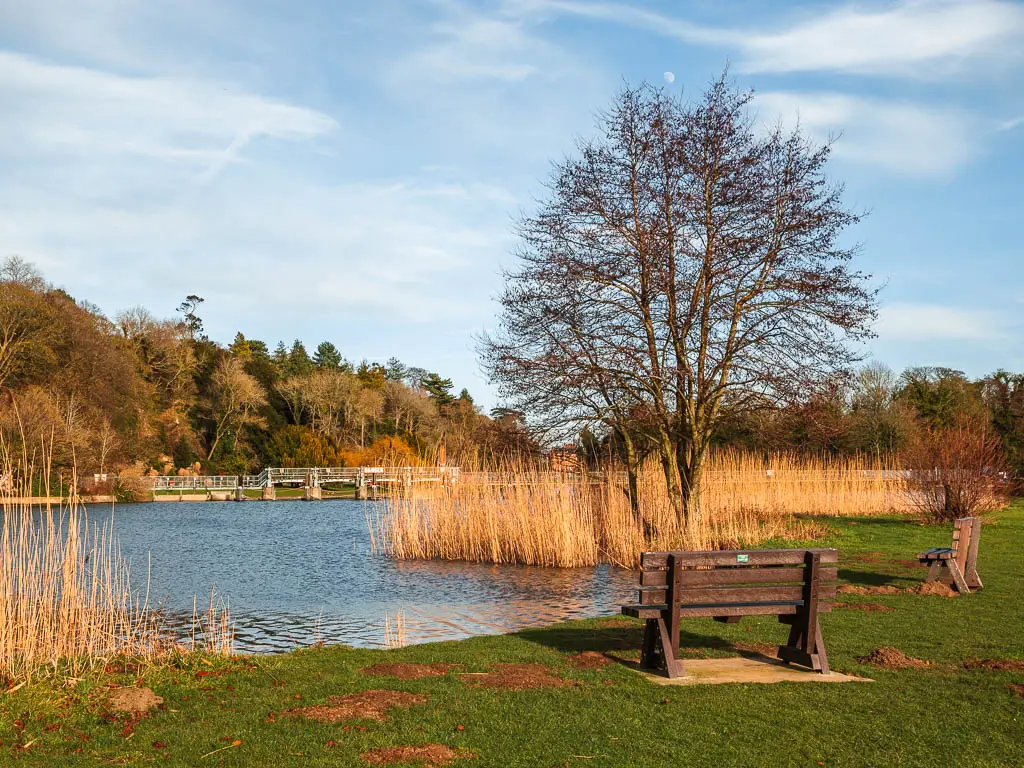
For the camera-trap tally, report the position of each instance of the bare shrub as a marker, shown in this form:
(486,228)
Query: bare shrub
(956,471)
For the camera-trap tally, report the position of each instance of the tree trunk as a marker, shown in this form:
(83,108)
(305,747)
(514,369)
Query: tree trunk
(627,451)
(673,479)
(692,483)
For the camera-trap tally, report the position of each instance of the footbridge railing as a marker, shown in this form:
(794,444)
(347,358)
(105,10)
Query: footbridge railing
(308,477)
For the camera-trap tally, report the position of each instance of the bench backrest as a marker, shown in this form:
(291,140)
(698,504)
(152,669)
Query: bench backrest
(966,532)
(738,576)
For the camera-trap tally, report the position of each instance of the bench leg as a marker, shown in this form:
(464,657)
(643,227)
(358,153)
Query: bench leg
(798,650)
(673,666)
(973,579)
(649,649)
(958,578)
(933,572)
(971,569)
(821,655)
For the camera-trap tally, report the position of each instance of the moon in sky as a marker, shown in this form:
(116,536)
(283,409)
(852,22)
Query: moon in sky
(670,77)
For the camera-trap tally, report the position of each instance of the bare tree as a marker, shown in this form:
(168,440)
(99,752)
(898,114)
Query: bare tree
(236,396)
(681,260)
(956,470)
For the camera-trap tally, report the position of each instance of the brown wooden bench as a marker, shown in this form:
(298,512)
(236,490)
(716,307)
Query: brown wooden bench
(794,584)
(961,559)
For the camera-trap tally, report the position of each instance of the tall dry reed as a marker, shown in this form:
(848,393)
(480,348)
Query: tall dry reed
(66,595)
(522,515)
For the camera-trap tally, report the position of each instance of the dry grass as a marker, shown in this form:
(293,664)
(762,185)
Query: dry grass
(521,515)
(213,630)
(66,595)
(394,632)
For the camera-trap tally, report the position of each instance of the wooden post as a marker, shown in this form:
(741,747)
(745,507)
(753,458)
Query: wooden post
(811,602)
(805,644)
(668,622)
(971,563)
(672,599)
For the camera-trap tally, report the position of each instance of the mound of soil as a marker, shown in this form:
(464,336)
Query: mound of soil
(866,607)
(996,665)
(892,658)
(428,755)
(515,677)
(406,671)
(936,588)
(135,700)
(854,589)
(365,705)
(1016,689)
(589,660)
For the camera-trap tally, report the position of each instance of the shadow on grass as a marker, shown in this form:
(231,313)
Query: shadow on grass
(867,578)
(604,639)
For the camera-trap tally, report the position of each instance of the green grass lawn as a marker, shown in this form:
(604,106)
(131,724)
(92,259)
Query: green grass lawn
(942,715)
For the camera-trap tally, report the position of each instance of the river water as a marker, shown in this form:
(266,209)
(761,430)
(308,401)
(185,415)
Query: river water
(295,573)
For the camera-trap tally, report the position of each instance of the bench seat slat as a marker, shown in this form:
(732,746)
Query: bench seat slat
(778,608)
(763,575)
(650,560)
(938,553)
(736,595)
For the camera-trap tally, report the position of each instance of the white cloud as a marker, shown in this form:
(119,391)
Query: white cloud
(404,249)
(903,136)
(919,38)
(120,182)
(914,37)
(475,47)
(53,109)
(937,322)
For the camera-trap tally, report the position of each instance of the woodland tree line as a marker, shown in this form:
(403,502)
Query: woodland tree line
(103,394)
(135,391)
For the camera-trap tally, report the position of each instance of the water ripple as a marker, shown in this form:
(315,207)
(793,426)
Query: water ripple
(296,573)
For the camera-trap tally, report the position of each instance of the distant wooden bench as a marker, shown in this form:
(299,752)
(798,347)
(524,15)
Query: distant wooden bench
(961,559)
(794,584)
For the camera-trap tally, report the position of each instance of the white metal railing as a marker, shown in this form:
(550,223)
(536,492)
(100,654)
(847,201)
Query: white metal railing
(314,476)
(195,483)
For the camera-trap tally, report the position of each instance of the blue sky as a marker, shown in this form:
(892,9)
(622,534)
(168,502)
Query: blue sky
(351,170)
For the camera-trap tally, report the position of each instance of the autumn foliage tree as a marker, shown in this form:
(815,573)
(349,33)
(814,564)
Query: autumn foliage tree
(681,261)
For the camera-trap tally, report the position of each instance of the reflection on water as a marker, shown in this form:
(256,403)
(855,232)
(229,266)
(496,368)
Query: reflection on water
(296,573)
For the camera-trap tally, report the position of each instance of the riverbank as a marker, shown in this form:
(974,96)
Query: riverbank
(589,710)
(250,494)
(37,501)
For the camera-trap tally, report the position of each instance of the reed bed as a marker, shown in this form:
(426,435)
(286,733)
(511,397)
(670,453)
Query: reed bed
(527,516)
(66,597)
(65,593)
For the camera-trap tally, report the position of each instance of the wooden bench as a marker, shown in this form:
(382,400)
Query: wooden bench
(961,559)
(794,584)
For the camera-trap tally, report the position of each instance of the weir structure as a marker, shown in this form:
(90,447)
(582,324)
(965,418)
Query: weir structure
(369,482)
